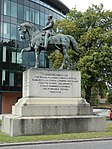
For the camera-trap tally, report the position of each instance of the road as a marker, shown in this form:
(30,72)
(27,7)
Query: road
(75,145)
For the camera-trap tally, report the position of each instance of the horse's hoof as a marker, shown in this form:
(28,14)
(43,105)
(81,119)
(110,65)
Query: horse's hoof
(36,67)
(61,68)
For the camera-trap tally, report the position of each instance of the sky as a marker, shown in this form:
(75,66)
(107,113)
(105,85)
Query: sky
(82,5)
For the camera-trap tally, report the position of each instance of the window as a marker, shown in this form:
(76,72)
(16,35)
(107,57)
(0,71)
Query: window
(4,54)
(7,7)
(31,59)
(2,29)
(46,16)
(13,31)
(19,60)
(3,77)
(11,79)
(18,35)
(14,9)
(32,15)
(36,16)
(1,7)
(20,9)
(42,19)
(13,57)
(26,13)
(6,30)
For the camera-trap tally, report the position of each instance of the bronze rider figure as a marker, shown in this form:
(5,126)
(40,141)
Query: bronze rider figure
(48,30)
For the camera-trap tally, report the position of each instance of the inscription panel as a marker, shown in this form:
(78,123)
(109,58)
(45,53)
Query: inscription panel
(46,83)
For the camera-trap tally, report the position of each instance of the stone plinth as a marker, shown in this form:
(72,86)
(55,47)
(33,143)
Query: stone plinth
(51,103)
(16,126)
(51,93)
(51,107)
(51,84)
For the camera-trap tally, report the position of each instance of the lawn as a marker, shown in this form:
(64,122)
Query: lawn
(72,136)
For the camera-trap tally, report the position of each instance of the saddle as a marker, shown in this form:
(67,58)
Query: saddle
(52,33)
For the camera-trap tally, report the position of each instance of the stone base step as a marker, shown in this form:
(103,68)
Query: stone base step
(51,107)
(16,126)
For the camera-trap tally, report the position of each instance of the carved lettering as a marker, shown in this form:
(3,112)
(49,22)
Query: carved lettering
(51,84)
(55,83)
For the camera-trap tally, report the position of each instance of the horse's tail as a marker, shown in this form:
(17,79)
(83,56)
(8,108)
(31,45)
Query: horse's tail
(73,42)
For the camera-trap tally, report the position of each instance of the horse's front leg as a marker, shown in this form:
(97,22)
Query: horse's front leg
(25,50)
(37,58)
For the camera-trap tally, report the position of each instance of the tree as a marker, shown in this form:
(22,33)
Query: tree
(110,96)
(56,58)
(92,30)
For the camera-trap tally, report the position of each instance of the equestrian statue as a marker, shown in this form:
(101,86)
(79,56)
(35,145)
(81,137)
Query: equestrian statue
(47,40)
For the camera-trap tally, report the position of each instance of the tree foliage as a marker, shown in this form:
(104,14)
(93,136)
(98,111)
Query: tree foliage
(92,30)
(110,96)
(56,58)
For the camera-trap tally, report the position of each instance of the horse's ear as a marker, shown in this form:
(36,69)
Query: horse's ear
(19,26)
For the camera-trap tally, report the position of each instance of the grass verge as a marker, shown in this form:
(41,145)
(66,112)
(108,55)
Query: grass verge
(72,136)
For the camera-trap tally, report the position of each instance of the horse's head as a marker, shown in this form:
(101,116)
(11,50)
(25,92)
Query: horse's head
(26,28)
(22,30)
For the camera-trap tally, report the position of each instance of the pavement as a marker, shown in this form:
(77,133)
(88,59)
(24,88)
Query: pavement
(54,141)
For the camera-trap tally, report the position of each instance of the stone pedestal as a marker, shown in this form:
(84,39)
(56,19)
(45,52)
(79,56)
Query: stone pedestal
(51,103)
(16,125)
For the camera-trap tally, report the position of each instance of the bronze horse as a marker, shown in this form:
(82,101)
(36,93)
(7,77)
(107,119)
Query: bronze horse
(59,41)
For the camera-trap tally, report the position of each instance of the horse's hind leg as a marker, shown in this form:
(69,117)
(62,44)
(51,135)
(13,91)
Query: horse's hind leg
(65,63)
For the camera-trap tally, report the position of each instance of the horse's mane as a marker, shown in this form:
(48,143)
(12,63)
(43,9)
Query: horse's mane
(29,25)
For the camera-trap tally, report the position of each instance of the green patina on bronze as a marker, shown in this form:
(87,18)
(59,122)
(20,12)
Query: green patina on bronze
(37,42)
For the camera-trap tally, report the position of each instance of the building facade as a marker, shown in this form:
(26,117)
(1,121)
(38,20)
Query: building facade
(12,13)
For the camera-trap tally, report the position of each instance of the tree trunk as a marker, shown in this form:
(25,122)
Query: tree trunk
(88,93)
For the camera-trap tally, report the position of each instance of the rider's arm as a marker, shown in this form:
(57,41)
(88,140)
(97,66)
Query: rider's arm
(50,25)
